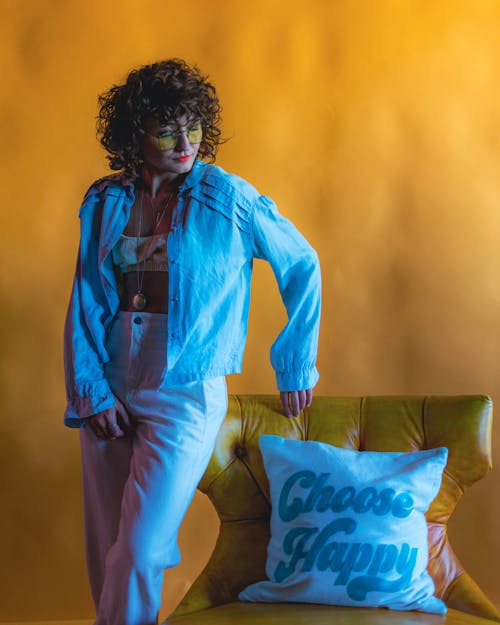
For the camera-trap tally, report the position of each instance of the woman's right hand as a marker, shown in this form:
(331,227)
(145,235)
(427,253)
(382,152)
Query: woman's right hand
(112,423)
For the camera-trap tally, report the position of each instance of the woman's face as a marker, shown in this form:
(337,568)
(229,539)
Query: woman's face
(171,147)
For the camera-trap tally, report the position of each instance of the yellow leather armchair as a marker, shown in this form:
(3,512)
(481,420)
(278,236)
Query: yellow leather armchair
(236,483)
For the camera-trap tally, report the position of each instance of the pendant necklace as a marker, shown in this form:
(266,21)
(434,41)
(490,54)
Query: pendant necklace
(139,300)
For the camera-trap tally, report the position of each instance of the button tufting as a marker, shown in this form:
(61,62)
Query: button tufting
(239,451)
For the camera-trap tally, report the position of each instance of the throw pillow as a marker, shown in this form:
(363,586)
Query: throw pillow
(348,527)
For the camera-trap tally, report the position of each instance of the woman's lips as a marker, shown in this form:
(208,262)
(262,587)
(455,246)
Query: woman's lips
(183,159)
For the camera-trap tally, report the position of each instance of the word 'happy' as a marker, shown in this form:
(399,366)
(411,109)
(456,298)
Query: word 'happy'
(345,558)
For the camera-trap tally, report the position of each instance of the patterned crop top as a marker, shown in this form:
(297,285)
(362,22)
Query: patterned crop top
(141,253)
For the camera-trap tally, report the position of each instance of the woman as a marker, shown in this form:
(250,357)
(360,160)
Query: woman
(158,318)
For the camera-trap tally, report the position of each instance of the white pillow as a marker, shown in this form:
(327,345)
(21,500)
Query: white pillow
(348,527)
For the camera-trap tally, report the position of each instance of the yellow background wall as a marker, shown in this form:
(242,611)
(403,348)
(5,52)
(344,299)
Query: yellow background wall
(375,126)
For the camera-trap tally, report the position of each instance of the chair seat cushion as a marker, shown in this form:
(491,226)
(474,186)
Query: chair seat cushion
(311,614)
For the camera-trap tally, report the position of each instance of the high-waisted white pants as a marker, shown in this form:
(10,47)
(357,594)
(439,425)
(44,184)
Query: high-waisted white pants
(136,489)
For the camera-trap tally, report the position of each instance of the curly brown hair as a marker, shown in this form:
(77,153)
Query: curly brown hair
(165,90)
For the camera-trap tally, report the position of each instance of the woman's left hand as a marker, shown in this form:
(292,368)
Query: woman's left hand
(294,402)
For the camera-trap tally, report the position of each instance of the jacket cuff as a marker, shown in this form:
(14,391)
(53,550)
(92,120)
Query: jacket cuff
(297,380)
(92,398)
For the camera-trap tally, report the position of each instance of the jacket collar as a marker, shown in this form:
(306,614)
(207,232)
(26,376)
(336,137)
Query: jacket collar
(194,176)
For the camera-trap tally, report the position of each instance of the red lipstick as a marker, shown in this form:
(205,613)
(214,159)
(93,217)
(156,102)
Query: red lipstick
(183,159)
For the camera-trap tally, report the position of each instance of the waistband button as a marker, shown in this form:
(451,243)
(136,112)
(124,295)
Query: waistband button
(137,320)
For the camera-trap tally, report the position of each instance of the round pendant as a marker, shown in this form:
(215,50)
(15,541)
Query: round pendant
(139,301)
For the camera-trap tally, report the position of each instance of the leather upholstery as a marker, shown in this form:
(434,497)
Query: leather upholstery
(236,483)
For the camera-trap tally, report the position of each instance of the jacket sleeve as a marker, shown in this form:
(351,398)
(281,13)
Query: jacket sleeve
(296,268)
(87,390)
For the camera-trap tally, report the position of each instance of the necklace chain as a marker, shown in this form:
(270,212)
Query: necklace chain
(139,301)
(159,217)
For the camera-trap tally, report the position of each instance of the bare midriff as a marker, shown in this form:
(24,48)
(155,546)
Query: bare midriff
(154,287)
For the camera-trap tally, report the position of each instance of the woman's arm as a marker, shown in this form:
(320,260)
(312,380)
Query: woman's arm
(296,268)
(87,390)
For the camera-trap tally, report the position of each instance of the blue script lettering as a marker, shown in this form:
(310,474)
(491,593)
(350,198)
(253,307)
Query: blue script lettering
(318,495)
(310,548)
(290,511)
(295,545)
(359,587)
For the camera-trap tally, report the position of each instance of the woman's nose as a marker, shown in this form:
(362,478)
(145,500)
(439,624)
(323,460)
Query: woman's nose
(182,142)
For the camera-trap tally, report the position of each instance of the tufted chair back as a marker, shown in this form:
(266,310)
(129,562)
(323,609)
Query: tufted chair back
(236,483)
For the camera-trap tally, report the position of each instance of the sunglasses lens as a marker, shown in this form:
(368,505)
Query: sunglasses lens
(167,142)
(195,135)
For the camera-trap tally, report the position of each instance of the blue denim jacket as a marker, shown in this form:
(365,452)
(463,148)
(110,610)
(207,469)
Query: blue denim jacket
(219,226)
